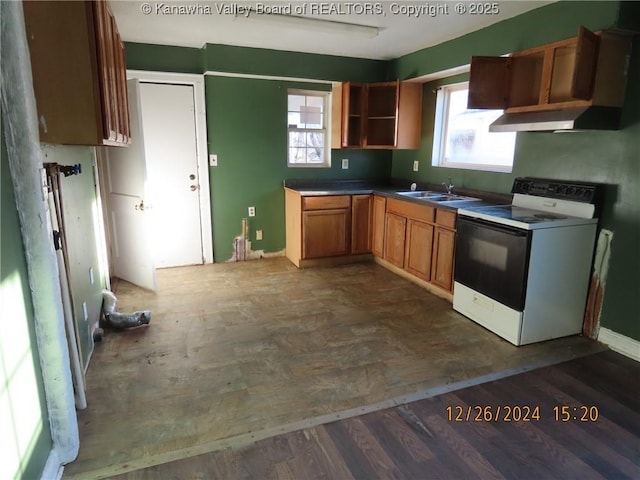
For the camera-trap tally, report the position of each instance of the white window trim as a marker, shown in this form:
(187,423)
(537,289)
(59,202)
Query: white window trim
(440,134)
(326,128)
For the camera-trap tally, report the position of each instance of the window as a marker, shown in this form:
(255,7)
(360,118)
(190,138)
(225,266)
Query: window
(462,138)
(307,137)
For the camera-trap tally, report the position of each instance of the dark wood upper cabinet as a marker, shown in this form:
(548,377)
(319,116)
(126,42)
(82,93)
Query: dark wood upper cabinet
(79,72)
(382,115)
(589,69)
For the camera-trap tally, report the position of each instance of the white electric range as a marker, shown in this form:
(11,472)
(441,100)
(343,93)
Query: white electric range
(523,270)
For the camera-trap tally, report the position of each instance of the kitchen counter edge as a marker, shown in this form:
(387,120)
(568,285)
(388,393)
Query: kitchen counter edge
(382,191)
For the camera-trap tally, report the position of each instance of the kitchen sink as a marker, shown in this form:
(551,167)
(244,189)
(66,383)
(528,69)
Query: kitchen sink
(446,198)
(420,194)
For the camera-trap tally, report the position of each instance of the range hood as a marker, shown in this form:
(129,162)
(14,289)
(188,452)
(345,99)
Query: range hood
(566,119)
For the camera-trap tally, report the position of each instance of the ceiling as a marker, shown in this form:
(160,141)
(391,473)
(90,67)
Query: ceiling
(170,23)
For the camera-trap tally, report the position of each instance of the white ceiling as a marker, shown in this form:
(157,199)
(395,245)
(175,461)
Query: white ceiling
(398,34)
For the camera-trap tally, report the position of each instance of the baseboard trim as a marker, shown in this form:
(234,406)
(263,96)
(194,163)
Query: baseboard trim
(53,469)
(335,261)
(448,296)
(620,343)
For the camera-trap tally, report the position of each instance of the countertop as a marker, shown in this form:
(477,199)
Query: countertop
(308,188)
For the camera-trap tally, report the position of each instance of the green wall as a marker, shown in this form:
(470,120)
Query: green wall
(164,58)
(247,130)
(537,27)
(25,434)
(610,157)
(80,214)
(259,61)
(253,61)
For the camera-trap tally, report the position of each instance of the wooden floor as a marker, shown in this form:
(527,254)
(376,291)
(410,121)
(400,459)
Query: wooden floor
(422,440)
(240,352)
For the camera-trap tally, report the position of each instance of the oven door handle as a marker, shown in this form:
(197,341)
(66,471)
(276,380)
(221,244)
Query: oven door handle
(517,232)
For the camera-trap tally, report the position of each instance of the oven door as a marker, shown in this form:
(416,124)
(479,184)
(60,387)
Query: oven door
(493,259)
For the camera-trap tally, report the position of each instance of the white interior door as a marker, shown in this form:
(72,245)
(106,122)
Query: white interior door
(168,116)
(129,223)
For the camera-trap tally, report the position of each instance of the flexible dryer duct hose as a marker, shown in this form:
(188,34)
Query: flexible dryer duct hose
(122,320)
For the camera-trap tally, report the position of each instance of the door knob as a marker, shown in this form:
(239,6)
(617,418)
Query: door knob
(193,188)
(140,206)
(192,177)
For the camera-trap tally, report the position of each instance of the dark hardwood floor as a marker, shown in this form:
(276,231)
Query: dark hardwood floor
(462,434)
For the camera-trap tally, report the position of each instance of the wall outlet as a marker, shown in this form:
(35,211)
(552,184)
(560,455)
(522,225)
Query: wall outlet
(345,163)
(258,234)
(213,160)
(415,165)
(252,211)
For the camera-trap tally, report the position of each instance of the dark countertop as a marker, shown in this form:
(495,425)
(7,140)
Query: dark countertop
(390,189)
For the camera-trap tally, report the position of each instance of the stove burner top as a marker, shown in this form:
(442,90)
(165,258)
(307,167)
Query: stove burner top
(523,217)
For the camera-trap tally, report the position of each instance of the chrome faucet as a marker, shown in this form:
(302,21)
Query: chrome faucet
(449,186)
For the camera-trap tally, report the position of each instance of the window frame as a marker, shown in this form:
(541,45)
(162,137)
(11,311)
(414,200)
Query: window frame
(441,132)
(326,130)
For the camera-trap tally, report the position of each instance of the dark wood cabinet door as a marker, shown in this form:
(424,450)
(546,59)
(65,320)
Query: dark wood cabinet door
(419,244)
(325,233)
(442,261)
(361,223)
(379,209)
(585,64)
(489,82)
(395,228)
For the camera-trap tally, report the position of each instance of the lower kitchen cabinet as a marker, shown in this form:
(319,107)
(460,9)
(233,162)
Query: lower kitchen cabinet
(325,233)
(419,239)
(418,249)
(394,239)
(333,227)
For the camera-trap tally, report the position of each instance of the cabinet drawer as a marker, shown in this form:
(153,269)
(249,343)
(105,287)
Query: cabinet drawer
(446,218)
(424,213)
(326,202)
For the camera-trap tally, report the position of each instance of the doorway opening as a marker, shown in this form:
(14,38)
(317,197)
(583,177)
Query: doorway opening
(156,190)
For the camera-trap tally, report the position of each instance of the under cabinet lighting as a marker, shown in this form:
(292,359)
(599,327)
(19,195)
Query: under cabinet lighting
(308,23)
